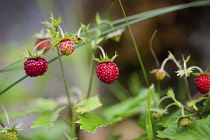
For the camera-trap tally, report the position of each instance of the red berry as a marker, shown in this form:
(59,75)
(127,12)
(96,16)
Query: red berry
(107,72)
(202,83)
(44,44)
(35,66)
(66,47)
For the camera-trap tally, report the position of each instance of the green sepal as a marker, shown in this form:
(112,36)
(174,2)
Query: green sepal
(27,54)
(203,73)
(105,59)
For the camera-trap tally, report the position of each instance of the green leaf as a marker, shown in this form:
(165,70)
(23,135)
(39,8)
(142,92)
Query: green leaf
(170,94)
(90,121)
(88,104)
(196,131)
(193,102)
(128,107)
(47,118)
(206,104)
(43,134)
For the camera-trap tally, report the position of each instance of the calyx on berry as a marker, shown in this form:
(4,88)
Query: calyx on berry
(57,34)
(105,58)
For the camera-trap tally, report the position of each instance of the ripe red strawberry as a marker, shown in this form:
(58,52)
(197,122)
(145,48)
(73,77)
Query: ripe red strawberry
(202,83)
(35,66)
(66,47)
(44,44)
(107,72)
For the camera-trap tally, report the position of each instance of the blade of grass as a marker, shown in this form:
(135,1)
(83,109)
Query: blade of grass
(7,88)
(135,46)
(10,65)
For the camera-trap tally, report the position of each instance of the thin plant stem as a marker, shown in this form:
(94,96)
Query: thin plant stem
(102,51)
(63,77)
(73,126)
(188,89)
(90,78)
(13,84)
(152,51)
(198,68)
(148,120)
(164,63)
(6,67)
(135,46)
(40,44)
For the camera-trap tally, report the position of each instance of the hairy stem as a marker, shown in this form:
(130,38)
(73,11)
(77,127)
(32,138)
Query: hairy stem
(102,51)
(188,89)
(63,77)
(73,126)
(90,78)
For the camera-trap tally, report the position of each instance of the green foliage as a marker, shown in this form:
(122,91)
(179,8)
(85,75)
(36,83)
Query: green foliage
(128,107)
(197,130)
(47,118)
(88,105)
(42,133)
(90,121)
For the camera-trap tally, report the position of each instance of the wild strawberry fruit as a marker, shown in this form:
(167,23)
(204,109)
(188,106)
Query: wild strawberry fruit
(107,72)
(41,36)
(202,83)
(35,66)
(66,47)
(43,45)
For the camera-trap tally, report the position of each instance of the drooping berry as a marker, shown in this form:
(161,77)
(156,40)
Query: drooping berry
(66,47)
(202,83)
(35,66)
(160,74)
(43,45)
(107,72)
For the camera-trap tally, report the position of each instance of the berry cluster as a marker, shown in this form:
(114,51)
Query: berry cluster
(107,71)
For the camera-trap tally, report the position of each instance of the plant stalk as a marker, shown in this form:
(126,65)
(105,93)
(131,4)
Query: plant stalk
(63,77)
(135,46)
(90,78)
